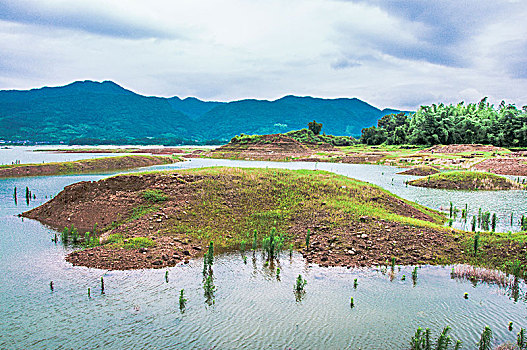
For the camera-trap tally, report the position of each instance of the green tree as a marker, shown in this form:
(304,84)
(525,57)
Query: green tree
(315,127)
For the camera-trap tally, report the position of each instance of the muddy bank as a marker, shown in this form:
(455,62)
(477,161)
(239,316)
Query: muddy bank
(162,151)
(420,171)
(84,166)
(463,148)
(505,166)
(467,180)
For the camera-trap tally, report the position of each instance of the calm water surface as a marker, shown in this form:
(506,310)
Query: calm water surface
(252,308)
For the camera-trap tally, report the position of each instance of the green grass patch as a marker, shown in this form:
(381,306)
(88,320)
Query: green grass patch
(232,203)
(117,240)
(154,196)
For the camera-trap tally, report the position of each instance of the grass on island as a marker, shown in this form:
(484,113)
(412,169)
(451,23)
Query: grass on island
(227,206)
(228,211)
(93,164)
(466,180)
(420,170)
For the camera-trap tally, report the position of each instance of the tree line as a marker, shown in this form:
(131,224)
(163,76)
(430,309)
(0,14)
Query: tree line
(480,122)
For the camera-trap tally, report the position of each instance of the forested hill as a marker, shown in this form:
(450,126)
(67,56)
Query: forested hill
(104,112)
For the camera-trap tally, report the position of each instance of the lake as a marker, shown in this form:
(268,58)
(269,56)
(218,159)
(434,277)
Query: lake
(252,307)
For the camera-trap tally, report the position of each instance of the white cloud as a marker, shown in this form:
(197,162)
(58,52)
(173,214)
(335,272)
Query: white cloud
(388,55)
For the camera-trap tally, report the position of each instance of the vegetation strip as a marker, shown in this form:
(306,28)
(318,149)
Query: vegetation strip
(84,166)
(467,180)
(162,218)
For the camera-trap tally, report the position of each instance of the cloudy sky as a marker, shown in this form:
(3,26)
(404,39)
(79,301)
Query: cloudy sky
(389,53)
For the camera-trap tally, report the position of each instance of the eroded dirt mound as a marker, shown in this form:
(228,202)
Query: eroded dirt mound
(270,147)
(420,171)
(463,148)
(84,166)
(181,212)
(505,166)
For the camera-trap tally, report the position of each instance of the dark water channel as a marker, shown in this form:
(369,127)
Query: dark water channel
(252,308)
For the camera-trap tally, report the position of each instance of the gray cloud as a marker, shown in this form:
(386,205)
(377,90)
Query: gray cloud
(443,27)
(86,18)
(513,56)
(344,63)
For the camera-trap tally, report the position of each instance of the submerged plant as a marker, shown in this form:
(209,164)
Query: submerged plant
(523,223)
(255,241)
(521,341)
(205,263)
(209,287)
(273,243)
(493,222)
(421,340)
(355,283)
(414,274)
(64,235)
(515,268)
(485,220)
(102,285)
(210,254)
(182,300)
(352,302)
(444,339)
(485,342)
(300,284)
